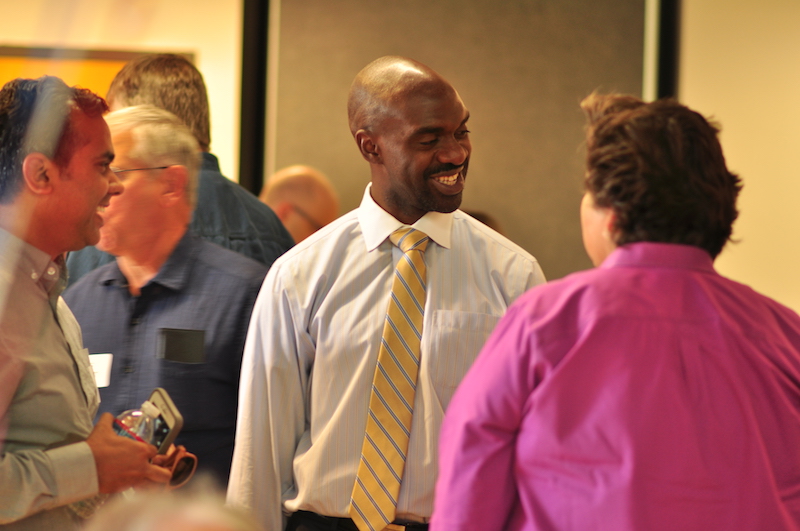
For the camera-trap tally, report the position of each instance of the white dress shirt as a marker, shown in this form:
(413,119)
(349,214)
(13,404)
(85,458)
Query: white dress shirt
(312,347)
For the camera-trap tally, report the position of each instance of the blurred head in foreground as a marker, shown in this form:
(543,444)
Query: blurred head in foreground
(196,508)
(55,152)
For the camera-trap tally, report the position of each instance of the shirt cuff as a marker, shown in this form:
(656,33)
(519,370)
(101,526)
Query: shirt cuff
(74,471)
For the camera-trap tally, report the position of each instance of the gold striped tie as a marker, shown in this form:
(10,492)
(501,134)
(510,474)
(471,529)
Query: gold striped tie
(383,455)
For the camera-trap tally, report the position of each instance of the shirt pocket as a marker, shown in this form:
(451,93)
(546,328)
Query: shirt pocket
(455,340)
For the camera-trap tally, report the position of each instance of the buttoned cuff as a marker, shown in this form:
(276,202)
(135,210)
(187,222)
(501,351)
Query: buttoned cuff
(74,471)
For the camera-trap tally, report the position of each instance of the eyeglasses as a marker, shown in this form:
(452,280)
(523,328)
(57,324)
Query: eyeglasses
(120,170)
(307,217)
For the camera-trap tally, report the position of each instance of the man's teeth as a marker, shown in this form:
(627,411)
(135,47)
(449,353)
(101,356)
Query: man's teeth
(447,179)
(101,209)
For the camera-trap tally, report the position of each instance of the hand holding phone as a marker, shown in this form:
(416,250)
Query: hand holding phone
(169,422)
(181,463)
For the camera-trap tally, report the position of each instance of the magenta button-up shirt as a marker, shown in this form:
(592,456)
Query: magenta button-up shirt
(649,393)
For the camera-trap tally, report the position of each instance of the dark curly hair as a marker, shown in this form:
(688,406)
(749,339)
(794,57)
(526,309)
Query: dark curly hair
(35,117)
(660,168)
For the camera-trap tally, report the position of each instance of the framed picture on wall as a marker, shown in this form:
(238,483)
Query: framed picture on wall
(92,69)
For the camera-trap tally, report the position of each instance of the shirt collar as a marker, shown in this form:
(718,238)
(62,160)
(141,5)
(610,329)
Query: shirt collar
(377,224)
(209,161)
(33,263)
(654,254)
(174,273)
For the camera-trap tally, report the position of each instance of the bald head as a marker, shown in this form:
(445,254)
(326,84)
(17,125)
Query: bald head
(384,86)
(410,124)
(303,198)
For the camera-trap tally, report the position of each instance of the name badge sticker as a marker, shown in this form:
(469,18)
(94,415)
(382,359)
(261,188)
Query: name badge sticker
(101,365)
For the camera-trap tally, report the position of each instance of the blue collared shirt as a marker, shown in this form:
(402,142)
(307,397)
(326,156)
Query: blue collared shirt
(201,287)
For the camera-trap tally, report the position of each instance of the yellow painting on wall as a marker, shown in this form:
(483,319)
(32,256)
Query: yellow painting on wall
(92,69)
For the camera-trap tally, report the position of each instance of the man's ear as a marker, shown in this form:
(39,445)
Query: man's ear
(175,178)
(369,149)
(38,172)
(282,210)
(610,226)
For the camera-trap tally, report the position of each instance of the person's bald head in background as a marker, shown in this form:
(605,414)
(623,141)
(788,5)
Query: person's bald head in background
(303,198)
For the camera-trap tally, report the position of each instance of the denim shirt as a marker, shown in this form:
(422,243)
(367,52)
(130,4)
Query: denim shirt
(201,289)
(226,214)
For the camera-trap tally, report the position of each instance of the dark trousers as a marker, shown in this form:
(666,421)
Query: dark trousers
(308,521)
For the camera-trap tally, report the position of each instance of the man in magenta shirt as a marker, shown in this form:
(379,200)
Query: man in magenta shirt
(650,392)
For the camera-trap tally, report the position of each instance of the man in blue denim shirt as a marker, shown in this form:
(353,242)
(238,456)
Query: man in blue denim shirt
(173,310)
(226,213)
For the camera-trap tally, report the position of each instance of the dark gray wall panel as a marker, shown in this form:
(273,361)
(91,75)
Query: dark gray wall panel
(521,67)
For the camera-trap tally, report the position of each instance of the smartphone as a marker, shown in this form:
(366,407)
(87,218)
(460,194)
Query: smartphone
(168,423)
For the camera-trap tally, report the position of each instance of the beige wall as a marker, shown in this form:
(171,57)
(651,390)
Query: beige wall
(210,29)
(740,63)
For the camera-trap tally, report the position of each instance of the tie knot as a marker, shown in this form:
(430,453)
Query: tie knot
(408,239)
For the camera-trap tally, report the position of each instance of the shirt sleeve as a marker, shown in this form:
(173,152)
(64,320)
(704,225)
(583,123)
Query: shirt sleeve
(36,480)
(475,488)
(272,405)
(536,277)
